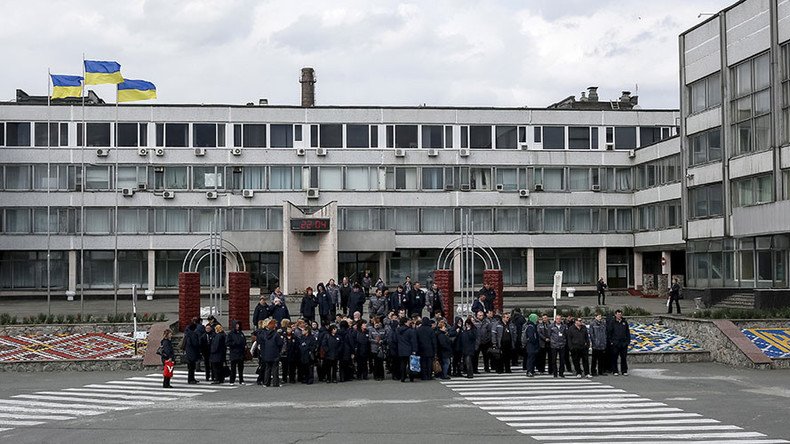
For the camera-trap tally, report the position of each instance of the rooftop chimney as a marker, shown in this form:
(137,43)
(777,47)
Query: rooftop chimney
(583,98)
(308,87)
(592,93)
(626,97)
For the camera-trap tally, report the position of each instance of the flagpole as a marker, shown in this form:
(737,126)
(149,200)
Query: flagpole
(115,213)
(82,196)
(49,185)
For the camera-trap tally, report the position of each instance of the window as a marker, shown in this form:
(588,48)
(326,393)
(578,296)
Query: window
(705,201)
(97,177)
(553,137)
(624,137)
(404,178)
(362,178)
(649,135)
(579,137)
(405,136)
(331,135)
(436,220)
(752,190)
(97,269)
(482,221)
(17,133)
(331,178)
(751,105)
(170,178)
(204,220)
(580,220)
(17,220)
(405,220)
(282,136)
(506,138)
(554,220)
(17,177)
(129,134)
(511,220)
(98,134)
(658,216)
(132,221)
(171,220)
(579,266)
(206,178)
(786,184)
(285,178)
(618,220)
(28,269)
(249,135)
(53,138)
(552,179)
(705,146)
(131,176)
(358,136)
(432,178)
(480,137)
(579,179)
(172,134)
(538,134)
(97,221)
(658,172)
(479,179)
(433,136)
(705,93)
(208,135)
(511,179)
(57,178)
(785,137)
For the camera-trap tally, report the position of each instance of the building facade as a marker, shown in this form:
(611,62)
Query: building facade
(735,102)
(593,190)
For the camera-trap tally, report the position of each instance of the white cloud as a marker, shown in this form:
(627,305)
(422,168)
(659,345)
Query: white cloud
(445,52)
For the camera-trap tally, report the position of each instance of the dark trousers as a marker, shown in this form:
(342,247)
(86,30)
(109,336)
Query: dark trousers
(470,365)
(566,359)
(165,382)
(426,368)
(457,364)
(378,368)
(602,298)
(237,365)
(271,374)
(320,369)
(515,354)
(216,370)
(621,352)
(404,369)
(306,373)
(207,364)
(540,359)
(506,359)
(191,366)
(362,367)
(330,370)
(580,362)
(598,362)
(289,370)
(529,361)
(677,304)
(394,364)
(483,350)
(557,366)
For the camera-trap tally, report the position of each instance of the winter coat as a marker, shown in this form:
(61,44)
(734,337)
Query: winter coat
(674,291)
(497,328)
(218,348)
(362,344)
(271,344)
(618,333)
(393,301)
(519,321)
(598,334)
(391,335)
(444,345)
(291,353)
(167,350)
(377,306)
(416,301)
(600,286)
(455,337)
(356,301)
(478,305)
(559,334)
(405,301)
(530,339)
(334,293)
(426,341)
(192,344)
(509,335)
(236,344)
(544,335)
(307,309)
(279,312)
(484,336)
(205,341)
(325,304)
(407,341)
(349,343)
(434,302)
(332,346)
(261,312)
(307,349)
(345,292)
(578,338)
(367,282)
(468,342)
(377,340)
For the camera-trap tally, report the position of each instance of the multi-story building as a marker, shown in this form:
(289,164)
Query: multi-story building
(735,102)
(589,187)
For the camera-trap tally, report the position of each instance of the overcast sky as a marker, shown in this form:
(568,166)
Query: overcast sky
(365,52)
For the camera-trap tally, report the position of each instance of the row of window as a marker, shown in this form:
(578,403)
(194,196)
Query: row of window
(751,262)
(658,216)
(335,135)
(658,172)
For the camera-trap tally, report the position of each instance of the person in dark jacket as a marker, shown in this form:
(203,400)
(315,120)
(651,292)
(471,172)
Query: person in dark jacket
(480,304)
(308,347)
(333,290)
(167,354)
(674,296)
(309,303)
(433,301)
(261,312)
(601,289)
(278,310)
(192,348)
(407,346)
(332,346)
(367,282)
(468,346)
(394,299)
(345,292)
(531,342)
(426,347)
(618,334)
(579,343)
(325,304)
(416,300)
(271,344)
(378,347)
(237,343)
(206,336)
(362,349)
(349,339)
(289,358)
(455,336)
(444,349)
(218,352)
(507,344)
(598,342)
(356,300)
(391,335)
(519,348)
(544,336)
(559,341)
(377,305)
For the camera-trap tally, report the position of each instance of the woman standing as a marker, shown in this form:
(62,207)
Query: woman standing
(168,354)
(217,354)
(378,349)
(307,352)
(309,303)
(468,347)
(444,348)
(271,343)
(455,336)
(237,342)
(331,345)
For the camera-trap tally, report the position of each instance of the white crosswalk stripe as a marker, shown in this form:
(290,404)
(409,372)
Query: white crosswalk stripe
(567,411)
(34,409)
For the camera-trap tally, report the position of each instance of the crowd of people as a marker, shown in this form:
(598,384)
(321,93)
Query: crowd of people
(406,336)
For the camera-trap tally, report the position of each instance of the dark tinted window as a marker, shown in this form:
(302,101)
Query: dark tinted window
(18,134)
(625,137)
(331,136)
(176,134)
(127,134)
(553,137)
(98,134)
(579,137)
(255,135)
(405,136)
(432,136)
(282,136)
(204,135)
(357,136)
(479,137)
(506,137)
(40,129)
(649,134)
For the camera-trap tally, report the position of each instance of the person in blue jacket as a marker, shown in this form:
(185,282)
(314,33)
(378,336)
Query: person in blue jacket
(426,348)
(237,343)
(332,345)
(279,311)
(271,344)
(309,303)
(531,343)
(468,346)
(407,346)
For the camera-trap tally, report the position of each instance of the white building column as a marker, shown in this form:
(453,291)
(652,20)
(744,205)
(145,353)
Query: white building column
(72,270)
(602,258)
(530,269)
(383,272)
(666,265)
(457,271)
(151,269)
(637,269)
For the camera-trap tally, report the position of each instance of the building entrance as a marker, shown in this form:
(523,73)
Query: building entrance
(354,266)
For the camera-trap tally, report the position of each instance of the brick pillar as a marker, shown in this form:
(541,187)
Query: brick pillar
(444,280)
(495,280)
(239,298)
(188,298)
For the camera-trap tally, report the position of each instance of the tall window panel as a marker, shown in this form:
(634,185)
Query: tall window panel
(705,93)
(705,201)
(752,190)
(705,147)
(751,105)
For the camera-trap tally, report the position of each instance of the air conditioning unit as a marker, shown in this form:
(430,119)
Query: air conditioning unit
(465,187)
(609,146)
(169,194)
(524,146)
(449,187)
(400,152)
(433,152)
(523,193)
(312,193)
(596,188)
(236,151)
(320,151)
(500,187)
(211,195)
(464,152)
(128,192)
(538,187)
(159,152)
(248,193)
(238,169)
(200,151)
(102,152)
(142,151)
(632,153)
(142,186)
(300,151)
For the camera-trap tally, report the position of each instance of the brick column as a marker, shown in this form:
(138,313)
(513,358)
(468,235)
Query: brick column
(239,298)
(188,298)
(444,280)
(495,280)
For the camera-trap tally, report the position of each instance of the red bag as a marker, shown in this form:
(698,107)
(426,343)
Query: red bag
(168,370)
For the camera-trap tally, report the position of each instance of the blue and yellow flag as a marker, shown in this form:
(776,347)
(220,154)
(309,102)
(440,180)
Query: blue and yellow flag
(98,73)
(66,86)
(131,90)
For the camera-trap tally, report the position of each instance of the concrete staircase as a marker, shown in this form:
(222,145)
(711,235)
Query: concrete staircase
(738,300)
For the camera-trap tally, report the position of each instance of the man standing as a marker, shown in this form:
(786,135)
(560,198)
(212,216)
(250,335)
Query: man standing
(433,301)
(601,287)
(507,344)
(345,292)
(261,312)
(426,348)
(407,346)
(619,335)
(276,294)
(393,299)
(416,300)
(598,341)
(356,300)
(479,304)
(334,293)
(518,321)
(579,343)
(377,305)
(674,295)
(531,342)
(309,303)
(558,340)
(367,282)
(544,338)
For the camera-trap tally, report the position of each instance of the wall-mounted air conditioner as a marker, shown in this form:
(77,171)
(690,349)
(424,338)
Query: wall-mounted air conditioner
(433,152)
(212,195)
(102,152)
(249,194)
(464,152)
(400,152)
(312,193)
(500,187)
(159,152)
(300,151)
(596,188)
(128,192)
(142,151)
(538,187)
(236,151)
(200,151)
(523,193)
(320,151)
(169,194)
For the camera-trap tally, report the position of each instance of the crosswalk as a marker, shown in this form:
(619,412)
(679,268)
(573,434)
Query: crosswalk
(37,408)
(588,411)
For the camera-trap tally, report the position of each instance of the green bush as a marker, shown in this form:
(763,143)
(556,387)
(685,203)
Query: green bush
(587,312)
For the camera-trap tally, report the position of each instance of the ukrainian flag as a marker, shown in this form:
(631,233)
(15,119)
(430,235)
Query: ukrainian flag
(98,73)
(131,90)
(66,86)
